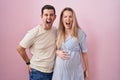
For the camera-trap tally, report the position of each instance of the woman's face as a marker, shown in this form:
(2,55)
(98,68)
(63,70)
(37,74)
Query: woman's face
(67,19)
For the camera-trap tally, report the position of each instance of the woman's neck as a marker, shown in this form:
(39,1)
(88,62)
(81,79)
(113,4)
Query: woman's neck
(67,32)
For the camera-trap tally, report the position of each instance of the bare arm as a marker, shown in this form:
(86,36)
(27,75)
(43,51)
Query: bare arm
(85,59)
(22,53)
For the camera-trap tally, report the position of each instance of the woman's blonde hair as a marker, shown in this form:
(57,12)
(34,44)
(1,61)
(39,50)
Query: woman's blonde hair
(61,28)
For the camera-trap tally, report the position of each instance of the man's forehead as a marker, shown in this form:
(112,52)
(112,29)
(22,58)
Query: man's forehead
(48,11)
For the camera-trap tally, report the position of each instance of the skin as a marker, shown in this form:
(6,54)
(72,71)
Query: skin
(67,20)
(48,18)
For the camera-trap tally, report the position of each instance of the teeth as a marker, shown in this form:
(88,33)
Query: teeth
(48,22)
(68,23)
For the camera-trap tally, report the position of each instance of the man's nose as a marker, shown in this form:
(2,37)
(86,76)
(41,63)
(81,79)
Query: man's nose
(48,16)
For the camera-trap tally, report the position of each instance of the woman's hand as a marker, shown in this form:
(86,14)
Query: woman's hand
(62,54)
(86,74)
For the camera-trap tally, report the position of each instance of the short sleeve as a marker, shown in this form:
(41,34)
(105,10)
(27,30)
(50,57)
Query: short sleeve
(82,41)
(28,39)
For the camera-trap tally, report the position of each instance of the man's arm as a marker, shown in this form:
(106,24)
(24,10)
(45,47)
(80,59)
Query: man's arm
(22,52)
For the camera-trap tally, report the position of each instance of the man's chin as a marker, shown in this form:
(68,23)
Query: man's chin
(48,27)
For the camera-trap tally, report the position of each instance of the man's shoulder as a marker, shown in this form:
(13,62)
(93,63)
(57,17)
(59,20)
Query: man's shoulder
(54,28)
(34,30)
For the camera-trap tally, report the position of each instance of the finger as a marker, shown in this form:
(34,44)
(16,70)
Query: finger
(66,57)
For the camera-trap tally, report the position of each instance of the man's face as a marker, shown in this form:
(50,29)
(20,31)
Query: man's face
(48,18)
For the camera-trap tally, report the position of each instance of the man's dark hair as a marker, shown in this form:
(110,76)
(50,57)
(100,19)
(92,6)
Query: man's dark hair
(47,7)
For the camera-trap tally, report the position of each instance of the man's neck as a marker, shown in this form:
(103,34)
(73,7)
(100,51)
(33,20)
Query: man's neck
(45,27)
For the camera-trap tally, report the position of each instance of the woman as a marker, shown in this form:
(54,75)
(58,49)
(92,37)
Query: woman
(70,43)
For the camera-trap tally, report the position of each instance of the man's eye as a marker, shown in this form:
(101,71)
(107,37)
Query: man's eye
(51,14)
(46,14)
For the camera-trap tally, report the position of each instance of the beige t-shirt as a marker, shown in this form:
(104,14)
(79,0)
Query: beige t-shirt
(42,45)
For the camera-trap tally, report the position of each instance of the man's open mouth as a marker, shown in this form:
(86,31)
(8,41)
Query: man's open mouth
(48,22)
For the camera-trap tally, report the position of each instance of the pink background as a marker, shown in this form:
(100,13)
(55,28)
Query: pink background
(100,19)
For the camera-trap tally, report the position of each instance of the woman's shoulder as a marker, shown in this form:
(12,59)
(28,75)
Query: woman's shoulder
(81,32)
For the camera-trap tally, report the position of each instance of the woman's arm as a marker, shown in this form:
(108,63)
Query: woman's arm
(62,54)
(85,59)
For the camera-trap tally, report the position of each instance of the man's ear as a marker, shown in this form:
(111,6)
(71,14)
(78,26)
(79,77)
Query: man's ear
(55,16)
(41,16)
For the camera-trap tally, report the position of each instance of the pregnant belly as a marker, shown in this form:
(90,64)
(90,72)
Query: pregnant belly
(71,63)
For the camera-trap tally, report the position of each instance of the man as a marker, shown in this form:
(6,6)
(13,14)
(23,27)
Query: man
(41,42)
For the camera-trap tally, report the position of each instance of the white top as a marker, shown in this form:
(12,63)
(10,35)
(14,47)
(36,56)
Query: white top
(42,45)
